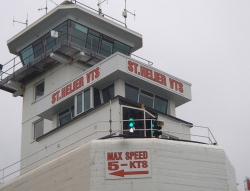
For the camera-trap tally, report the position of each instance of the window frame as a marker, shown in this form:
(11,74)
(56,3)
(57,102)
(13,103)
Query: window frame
(35,90)
(34,131)
(140,92)
(72,114)
(83,99)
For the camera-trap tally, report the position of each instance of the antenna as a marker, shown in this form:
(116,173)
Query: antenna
(26,23)
(125,13)
(100,7)
(46,8)
(53,2)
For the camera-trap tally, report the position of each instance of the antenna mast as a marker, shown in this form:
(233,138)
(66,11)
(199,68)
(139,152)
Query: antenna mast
(26,23)
(100,7)
(53,2)
(125,13)
(46,8)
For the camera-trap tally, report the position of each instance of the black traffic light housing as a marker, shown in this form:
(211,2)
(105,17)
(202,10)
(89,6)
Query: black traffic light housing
(157,126)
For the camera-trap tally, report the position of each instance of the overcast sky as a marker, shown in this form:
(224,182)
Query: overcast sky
(204,42)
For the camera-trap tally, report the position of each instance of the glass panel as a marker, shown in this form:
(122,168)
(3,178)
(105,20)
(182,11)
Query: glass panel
(147,93)
(79,104)
(131,92)
(27,55)
(106,48)
(38,129)
(97,98)
(37,48)
(147,101)
(108,93)
(49,41)
(63,112)
(72,111)
(120,47)
(161,104)
(39,90)
(65,119)
(92,43)
(86,100)
(62,32)
(79,34)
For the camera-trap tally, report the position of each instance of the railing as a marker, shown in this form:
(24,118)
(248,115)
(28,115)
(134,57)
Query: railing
(69,142)
(16,63)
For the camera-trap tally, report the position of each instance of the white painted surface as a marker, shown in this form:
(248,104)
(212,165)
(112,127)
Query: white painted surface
(175,166)
(108,67)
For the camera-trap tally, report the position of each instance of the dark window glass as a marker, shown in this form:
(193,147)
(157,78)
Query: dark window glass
(106,48)
(62,32)
(79,103)
(38,129)
(37,48)
(39,90)
(97,98)
(79,34)
(86,100)
(108,93)
(120,47)
(161,104)
(147,101)
(147,93)
(131,92)
(66,115)
(50,42)
(92,43)
(27,55)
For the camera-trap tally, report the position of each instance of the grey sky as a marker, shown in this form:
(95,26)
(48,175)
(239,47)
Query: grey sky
(204,42)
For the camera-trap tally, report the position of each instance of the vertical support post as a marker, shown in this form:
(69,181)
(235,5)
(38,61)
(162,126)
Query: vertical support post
(144,123)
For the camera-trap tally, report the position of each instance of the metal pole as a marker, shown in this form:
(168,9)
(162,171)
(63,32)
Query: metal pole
(110,120)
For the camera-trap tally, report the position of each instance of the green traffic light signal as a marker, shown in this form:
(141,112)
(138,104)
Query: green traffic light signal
(131,123)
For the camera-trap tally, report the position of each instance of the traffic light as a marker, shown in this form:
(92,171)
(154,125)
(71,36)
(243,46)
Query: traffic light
(131,124)
(157,126)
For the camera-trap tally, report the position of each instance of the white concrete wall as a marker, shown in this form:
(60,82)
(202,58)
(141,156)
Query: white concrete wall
(175,166)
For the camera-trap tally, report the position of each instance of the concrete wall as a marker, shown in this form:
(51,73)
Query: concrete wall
(68,172)
(175,166)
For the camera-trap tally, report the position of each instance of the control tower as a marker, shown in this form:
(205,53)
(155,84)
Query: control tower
(95,118)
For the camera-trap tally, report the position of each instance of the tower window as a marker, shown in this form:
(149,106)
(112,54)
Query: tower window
(39,90)
(66,115)
(38,128)
(108,93)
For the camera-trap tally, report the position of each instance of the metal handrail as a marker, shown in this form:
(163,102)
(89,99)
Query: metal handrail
(212,141)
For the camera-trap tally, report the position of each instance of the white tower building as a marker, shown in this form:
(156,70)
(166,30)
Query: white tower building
(92,114)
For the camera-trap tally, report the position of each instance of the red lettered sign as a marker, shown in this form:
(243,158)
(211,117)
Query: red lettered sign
(128,164)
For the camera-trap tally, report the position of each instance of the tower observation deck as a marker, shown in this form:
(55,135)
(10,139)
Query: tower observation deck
(94,118)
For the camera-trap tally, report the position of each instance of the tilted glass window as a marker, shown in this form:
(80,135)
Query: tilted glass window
(50,42)
(83,101)
(39,90)
(27,55)
(62,32)
(106,48)
(161,104)
(131,92)
(120,47)
(38,48)
(38,129)
(66,116)
(92,43)
(78,34)
(108,93)
(97,97)
(146,98)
